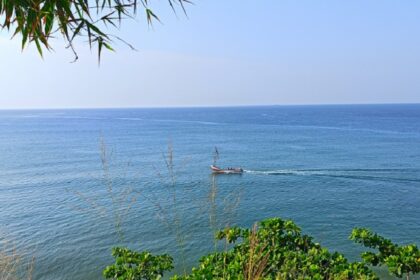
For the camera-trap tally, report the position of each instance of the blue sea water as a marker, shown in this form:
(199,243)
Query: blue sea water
(329,168)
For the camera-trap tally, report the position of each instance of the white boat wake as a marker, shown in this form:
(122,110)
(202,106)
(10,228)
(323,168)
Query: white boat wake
(409,175)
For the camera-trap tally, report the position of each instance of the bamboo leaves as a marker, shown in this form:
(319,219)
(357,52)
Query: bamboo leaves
(150,16)
(38,20)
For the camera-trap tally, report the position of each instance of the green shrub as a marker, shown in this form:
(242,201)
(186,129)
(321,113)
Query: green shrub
(130,265)
(400,260)
(273,249)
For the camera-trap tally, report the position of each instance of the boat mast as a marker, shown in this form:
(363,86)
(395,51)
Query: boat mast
(215,156)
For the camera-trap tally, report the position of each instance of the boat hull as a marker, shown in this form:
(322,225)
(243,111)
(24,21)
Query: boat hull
(218,170)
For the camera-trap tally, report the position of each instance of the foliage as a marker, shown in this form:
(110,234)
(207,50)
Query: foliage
(38,20)
(400,260)
(130,265)
(275,250)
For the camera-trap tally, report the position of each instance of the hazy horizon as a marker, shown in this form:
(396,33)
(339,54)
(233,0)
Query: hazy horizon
(204,106)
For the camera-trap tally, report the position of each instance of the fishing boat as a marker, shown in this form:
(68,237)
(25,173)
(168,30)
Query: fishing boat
(230,170)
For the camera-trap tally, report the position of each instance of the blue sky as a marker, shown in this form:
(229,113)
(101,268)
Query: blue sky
(236,52)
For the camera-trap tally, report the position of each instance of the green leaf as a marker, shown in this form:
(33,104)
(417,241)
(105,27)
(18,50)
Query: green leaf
(150,16)
(100,43)
(108,46)
(77,30)
(38,46)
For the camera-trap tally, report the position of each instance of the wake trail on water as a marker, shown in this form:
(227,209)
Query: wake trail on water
(376,174)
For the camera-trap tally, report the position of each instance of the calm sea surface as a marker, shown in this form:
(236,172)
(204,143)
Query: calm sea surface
(329,168)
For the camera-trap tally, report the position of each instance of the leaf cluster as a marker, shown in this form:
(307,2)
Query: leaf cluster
(274,249)
(400,260)
(38,20)
(131,265)
(277,250)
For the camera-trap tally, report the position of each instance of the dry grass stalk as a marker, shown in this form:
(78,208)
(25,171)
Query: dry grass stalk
(119,199)
(257,257)
(175,220)
(222,212)
(13,266)
(168,208)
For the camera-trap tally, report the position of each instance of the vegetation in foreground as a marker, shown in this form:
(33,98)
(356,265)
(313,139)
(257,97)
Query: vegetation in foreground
(13,265)
(40,21)
(274,249)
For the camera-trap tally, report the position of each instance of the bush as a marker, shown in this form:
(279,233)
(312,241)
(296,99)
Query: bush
(130,265)
(274,249)
(400,260)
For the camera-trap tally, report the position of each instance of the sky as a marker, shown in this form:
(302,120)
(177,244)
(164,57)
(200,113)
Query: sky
(227,53)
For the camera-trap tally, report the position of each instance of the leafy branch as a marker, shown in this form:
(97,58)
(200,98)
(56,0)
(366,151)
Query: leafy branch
(37,21)
(400,260)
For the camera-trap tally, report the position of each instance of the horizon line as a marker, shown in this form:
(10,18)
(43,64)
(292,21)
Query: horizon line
(205,106)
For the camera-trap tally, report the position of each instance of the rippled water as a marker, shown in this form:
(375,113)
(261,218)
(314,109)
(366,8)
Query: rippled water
(330,168)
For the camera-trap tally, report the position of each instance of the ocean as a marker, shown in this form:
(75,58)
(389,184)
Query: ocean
(75,183)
